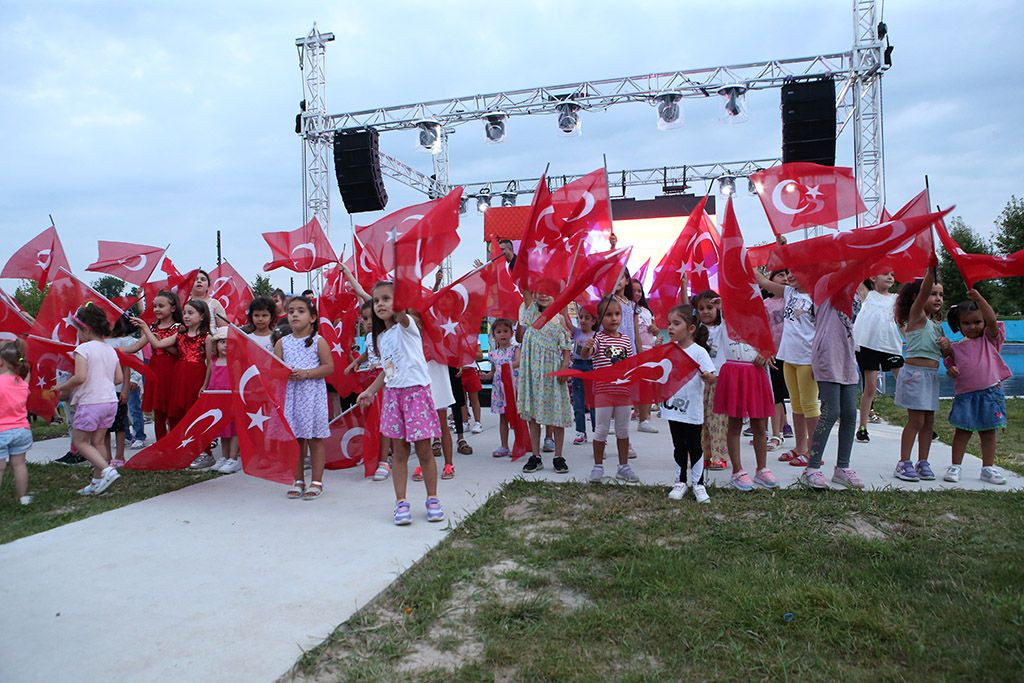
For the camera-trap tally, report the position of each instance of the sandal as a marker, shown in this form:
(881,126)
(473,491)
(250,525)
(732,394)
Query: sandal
(465,448)
(774,443)
(297,489)
(717,464)
(788,455)
(436,447)
(448,472)
(800,460)
(315,490)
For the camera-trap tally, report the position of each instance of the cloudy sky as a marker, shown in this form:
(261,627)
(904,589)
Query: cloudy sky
(161,122)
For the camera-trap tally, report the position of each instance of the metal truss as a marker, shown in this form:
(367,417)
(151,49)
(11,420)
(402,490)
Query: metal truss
(866,76)
(316,146)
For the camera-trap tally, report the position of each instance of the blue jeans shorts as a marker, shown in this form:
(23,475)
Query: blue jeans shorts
(15,442)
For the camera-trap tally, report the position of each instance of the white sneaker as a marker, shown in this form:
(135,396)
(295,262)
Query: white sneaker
(992,475)
(383,472)
(700,493)
(952,474)
(109,476)
(678,491)
(25,500)
(138,444)
(218,463)
(230,466)
(89,489)
(646,426)
(476,428)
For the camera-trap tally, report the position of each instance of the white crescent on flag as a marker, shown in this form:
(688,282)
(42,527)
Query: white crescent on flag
(47,253)
(777,202)
(307,246)
(666,370)
(143,260)
(249,373)
(349,435)
(588,206)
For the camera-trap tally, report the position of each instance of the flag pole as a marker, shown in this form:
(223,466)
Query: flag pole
(608,197)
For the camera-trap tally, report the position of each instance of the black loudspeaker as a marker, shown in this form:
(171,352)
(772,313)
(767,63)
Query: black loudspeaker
(357,167)
(809,121)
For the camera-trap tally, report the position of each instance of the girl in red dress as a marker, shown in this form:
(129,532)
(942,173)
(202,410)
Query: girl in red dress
(162,335)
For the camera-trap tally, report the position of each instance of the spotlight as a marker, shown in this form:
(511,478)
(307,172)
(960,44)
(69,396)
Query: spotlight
(727,185)
(508,197)
(569,118)
(430,136)
(483,200)
(463,203)
(670,111)
(494,127)
(751,186)
(735,102)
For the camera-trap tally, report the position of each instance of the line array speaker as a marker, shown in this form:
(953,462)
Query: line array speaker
(357,167)
(809,121)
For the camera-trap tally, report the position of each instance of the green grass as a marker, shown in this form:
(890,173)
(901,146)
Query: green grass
(42,430)
(1009,441)
(618,583)
(55,501)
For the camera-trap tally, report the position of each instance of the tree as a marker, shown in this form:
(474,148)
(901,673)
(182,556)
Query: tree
(109,286)
(954,288)
(1010,238)
(261,286)
(29,296)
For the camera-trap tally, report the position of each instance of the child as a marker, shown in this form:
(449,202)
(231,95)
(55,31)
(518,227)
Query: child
(607,347)
(775,306)
(646,337)
(794,350)
(219,379)
(878,341)
(685,410)
(580,336)
(305,399)
(97,371)
(977,369)
(713,436)
(201,292)
(744,391)
(190,371)
(835,368)
(122,339)
(261,319)
(372,362)
(15,432)
(503,354)
(917,387)
(408,415)
(162,335)
(543,400)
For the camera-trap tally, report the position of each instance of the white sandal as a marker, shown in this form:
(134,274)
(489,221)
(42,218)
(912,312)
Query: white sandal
(774,442)
(297,490)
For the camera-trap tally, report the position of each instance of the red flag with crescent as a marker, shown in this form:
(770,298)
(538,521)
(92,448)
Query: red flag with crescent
(203,423)
(503,295)
(802,194)
(453,314)
(355,438)
(46,358)
(424,247)
(39,259)
(581,208)
(132,263)
(232,291)
(522,444)
(667,287)
(743,310)
(301,250)
(340,335)
(268,447)
(649,377)
(14,322)
(366,267)
(978,267)
(66,294)
(913,261)
(596,280)
(545,256)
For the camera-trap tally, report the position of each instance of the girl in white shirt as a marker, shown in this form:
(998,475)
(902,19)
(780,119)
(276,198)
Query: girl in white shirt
(877,340)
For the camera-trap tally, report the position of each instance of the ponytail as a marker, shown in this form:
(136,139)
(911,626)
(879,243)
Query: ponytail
(13,355)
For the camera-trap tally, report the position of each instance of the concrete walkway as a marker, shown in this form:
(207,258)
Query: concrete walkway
(229,580)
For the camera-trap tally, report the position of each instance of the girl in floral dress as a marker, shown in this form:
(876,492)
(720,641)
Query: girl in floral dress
(503,353)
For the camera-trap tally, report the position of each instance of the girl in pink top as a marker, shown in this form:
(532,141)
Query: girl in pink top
(97,370)
(15,434)
(977,370)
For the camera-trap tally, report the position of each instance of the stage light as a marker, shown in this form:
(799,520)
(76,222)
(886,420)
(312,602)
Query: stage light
(463,203)
(494,127)
(751,186)
(430,136)
(670,111)
(569,118)
(508,197)
(727,185)
(483,200)
(735,105)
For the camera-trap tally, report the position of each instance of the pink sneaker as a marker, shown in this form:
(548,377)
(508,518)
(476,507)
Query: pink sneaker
(742,481)
(847,477)
(580,438)
(765,478)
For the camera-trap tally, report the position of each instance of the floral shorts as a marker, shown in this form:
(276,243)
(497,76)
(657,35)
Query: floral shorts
(409,414)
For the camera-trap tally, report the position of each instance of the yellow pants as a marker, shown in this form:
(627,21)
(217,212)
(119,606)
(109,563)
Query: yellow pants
(803,390)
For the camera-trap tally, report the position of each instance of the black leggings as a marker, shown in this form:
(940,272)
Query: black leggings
(687,451)
(460,400)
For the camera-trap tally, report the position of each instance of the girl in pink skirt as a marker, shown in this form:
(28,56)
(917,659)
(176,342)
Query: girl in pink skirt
(408,415)
(218,379)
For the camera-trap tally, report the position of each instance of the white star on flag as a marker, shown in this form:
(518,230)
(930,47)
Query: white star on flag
(813,191)
(698,268)
(336,349)
(682,270)
(69,319)
(539,249)
(186,442)
(257,419)
(393,234)
(755,291)
(41,383)
(449,327)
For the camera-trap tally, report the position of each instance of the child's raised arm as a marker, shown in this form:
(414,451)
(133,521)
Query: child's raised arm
(354,283)
(917,308)
(987,314)
(772,287)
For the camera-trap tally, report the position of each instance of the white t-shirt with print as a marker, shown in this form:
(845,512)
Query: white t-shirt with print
(687,404)
(797,328)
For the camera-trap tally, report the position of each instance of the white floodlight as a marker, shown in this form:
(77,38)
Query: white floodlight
(494,127)
(569,118)
(727,185)
(430,136)
(670,110)
(735,103)
(508,197)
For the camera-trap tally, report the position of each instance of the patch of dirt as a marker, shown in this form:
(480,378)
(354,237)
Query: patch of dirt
(675,542)
(855,525)
(949,517)
(541,531)
(506,675)
(521,510)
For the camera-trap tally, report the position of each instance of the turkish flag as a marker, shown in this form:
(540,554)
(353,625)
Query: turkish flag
(355,438)
(66,294)
(367,267)
(268,447)
(340,336)
(831,267)
(503,295)
(232,291)
(604,271)
(46,357)
(667,288)
(912,262)
(582,208)
(545,257)
(38,260)
(522,444)
(14,322)
(301,250)
(424,247)
(453,314)
(337,298)
(180,284)
(801,194)
(978,267)
(379,238)
(649,377)
(742,306)
(641,273)
(764,256)
(132,263)
(203,422)
(702,251)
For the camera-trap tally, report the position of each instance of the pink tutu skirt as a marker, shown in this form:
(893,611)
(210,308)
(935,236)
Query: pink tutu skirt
(744,390)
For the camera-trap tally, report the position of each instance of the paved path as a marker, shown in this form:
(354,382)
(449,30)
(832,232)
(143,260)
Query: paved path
(228,580)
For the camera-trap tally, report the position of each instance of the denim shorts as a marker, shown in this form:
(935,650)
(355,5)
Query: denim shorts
(15,441)
(979,411)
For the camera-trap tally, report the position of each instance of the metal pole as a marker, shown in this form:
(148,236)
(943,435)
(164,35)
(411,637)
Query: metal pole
(218,248)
